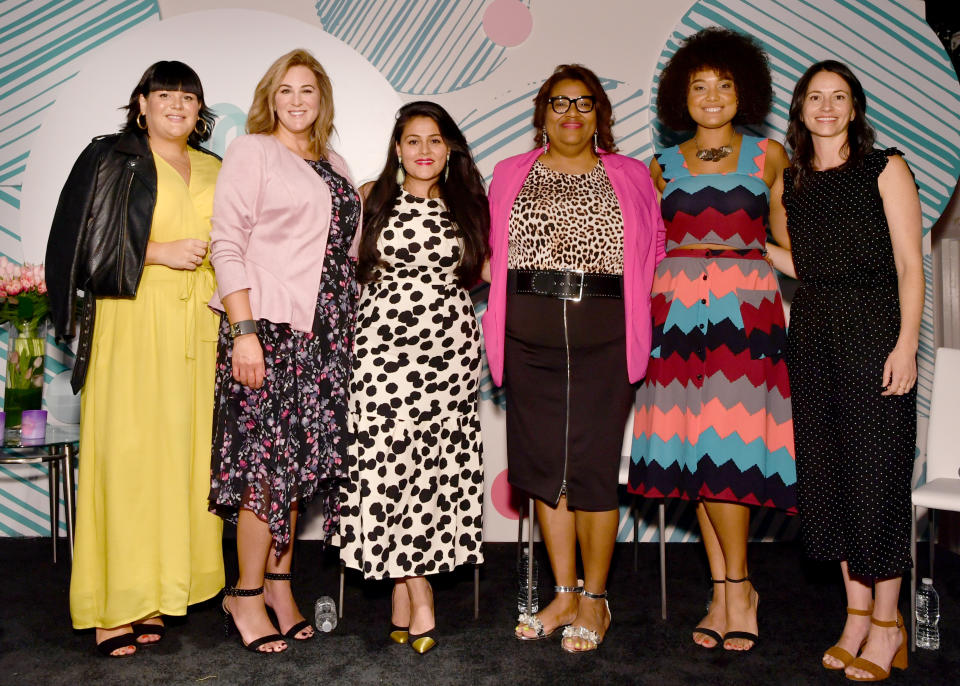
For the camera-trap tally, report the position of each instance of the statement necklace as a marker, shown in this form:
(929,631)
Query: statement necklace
(712,154)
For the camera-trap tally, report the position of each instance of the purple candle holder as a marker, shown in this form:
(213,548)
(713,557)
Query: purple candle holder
(33,424)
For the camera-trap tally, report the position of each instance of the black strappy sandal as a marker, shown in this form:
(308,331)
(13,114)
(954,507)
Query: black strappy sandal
(229,624)
(141,629)
(710,633)
(107,646)
(746,635)
(299,626)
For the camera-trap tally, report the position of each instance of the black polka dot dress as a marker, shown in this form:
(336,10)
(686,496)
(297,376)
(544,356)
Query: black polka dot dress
(412,504)
(855,448)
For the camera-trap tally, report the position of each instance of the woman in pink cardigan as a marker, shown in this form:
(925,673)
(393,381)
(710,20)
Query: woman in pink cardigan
(575,238)
(286,221)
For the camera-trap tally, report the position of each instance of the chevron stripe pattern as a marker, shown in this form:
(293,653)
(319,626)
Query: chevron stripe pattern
(713,416)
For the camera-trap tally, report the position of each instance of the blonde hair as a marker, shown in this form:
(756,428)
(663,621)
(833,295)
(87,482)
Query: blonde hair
(262,117)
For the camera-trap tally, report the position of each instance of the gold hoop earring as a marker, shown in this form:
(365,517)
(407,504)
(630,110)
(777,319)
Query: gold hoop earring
(206,127)
(142,126)
(401,172)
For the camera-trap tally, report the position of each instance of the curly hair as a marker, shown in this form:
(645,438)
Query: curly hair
(461,189)
(262,117)
(860,135)
(169,75)
(602,106)
(730,54)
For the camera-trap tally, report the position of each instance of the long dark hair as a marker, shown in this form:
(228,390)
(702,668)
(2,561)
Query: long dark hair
(462,191)
(170,76)
(604,110)
(860,135)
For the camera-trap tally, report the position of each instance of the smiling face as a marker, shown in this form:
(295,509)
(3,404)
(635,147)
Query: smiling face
(423,153)
(170,115)
(572,129)
(711,99)
(297,100)
(827,106)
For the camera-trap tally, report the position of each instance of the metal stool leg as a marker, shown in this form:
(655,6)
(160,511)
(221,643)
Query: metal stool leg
(663,561)
(530,557)
(476,591)
(68,487)
(931,515)
(520,517)
(913,580)
(53,486)
(343,572)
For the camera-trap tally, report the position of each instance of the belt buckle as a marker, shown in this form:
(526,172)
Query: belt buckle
(579,296)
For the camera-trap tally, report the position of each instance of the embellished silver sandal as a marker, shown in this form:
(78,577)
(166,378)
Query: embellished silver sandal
(531,621)
(583,633)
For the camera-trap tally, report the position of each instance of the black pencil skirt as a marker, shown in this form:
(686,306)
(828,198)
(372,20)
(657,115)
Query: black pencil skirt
(568,397)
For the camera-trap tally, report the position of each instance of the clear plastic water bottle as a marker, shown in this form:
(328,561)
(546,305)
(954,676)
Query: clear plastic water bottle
(325,614)
(523,572)
(928,614)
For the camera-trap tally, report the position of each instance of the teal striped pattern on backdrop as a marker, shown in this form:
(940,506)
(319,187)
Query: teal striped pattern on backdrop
(421,46)
(41,44)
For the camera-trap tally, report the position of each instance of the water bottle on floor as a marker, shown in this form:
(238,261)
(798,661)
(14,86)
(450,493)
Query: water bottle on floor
(928,614)
(325,614)
(523,573)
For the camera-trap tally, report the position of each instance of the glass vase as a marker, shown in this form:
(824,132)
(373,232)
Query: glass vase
(25,361)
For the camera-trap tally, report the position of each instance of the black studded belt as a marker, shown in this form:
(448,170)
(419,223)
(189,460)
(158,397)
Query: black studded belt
(566,284)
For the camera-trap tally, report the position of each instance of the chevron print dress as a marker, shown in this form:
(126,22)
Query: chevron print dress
(713,417)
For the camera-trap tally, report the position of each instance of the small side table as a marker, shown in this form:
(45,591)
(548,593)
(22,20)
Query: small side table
(57,448)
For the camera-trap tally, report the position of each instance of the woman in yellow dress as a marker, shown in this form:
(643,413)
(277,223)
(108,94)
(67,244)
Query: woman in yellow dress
(132,229)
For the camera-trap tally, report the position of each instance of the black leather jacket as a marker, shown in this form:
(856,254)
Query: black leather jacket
(98,240)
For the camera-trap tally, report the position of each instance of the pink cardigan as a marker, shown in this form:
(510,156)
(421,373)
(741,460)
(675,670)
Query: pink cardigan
(271,217)
(643,248)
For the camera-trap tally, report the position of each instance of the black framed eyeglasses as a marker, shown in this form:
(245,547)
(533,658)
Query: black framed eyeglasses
(561,103)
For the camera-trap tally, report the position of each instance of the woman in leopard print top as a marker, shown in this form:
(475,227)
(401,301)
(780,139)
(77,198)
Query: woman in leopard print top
(576,235)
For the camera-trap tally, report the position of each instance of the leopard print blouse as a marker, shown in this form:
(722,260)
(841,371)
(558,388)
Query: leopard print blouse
(566,221)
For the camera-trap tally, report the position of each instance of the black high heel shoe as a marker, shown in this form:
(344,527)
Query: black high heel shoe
(299,626)
(229,624)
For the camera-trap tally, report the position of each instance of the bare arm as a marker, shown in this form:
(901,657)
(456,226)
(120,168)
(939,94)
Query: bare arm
(901,205)
(778,253)
(656,175)
(248,366)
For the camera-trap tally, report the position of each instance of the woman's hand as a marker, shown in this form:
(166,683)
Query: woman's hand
(187,253)
(248,367)
(899,371)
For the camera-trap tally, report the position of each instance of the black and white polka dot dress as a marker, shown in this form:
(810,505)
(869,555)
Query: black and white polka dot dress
(855,448)
(412,503)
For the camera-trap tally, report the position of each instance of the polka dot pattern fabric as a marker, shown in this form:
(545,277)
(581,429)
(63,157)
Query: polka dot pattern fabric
(412,504)
(855,447)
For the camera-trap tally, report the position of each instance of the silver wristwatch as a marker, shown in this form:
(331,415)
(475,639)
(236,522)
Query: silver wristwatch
(243,327)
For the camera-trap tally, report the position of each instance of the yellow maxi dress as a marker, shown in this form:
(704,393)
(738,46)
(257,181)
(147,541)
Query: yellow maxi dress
(146,542)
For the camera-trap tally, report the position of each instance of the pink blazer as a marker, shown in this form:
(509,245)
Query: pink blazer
(271,218)
(643,248)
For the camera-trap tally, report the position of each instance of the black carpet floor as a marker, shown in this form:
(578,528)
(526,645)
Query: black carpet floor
(801,613)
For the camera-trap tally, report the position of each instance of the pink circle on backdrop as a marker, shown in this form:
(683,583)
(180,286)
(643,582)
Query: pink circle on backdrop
(507,22)
(505,499)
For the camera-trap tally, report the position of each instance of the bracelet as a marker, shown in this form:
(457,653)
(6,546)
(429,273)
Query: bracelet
(243,327)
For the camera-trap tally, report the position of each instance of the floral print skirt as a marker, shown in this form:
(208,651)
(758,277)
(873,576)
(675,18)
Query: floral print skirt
(279,446)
